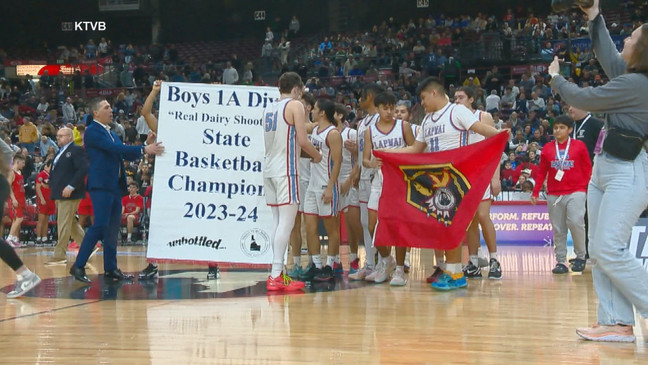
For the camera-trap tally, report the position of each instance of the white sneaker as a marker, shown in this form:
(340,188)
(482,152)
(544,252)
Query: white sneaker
(379,267)
(389,264)
(399,278)
(23,286)
(361,274)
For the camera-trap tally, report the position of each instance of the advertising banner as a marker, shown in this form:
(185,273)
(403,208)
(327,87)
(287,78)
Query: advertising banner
(208,202)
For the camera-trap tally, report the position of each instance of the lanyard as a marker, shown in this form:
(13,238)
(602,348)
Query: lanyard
(561,160)
(582,125)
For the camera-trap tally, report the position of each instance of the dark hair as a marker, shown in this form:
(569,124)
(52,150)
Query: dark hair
(95,105)
(430,82)
(328,107)
(288,81)
(341,109)
(47,163)
(470,93)
(371,89)
(309,99)
(638,62)
(385,98)
(565,120)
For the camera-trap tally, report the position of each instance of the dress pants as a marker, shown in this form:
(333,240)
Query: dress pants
(107,206)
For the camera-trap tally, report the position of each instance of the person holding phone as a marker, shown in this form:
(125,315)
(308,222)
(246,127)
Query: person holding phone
(618,190)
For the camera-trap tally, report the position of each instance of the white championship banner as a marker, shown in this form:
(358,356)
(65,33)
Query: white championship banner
(208,202)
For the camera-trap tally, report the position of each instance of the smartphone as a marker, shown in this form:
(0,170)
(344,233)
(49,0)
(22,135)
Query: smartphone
(565,69)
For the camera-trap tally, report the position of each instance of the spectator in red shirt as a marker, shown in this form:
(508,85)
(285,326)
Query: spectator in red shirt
(132,206)
(507,175)
(566,165)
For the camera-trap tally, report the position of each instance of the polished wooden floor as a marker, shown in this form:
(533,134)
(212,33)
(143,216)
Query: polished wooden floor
(529,317)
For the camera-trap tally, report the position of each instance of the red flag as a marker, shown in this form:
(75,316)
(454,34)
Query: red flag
(429,199)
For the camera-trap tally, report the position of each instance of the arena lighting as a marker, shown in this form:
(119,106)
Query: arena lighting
(54,70)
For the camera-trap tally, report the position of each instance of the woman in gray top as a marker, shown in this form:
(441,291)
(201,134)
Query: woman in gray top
(618,190)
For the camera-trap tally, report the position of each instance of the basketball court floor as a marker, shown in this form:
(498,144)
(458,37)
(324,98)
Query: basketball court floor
(528,317)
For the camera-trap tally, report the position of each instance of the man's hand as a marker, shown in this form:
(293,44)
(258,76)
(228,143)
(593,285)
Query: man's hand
(554,67)
(154,149)
(150,139)
(327,196)
(534,200)
(67,192)
(351,145)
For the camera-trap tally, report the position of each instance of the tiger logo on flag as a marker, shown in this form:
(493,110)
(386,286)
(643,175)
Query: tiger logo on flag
(436,190)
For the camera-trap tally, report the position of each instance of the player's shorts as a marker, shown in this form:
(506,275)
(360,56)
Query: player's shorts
(16,212)
(364,190)
(349,200)
(48,208)
(283,190)
(124,220)
(487,194)
(85,206)
(303,186)
(376,191)
(314,205)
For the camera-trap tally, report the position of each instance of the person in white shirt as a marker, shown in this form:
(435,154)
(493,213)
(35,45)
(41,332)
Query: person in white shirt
(69,115)
(230,75)
(492,101)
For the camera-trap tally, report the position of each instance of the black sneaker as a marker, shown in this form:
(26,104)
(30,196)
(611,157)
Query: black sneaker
(471,271)
(494,270)
(578,265)
(326,274)
(149,272)
(560,269)
(310,273)
(213,273)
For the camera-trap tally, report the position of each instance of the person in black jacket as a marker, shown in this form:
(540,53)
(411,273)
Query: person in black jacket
(67,184)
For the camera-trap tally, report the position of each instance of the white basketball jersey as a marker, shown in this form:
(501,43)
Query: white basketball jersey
(393,139)
(348,160)
(415,129)
(281,148)
(446,128)
(321,171)
(366,122)
(476,137)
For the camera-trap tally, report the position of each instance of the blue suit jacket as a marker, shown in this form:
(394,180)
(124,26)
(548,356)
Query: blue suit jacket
(106,155)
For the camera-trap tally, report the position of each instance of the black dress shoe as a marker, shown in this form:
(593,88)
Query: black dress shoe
(149,272)
(79,274)
(117,275)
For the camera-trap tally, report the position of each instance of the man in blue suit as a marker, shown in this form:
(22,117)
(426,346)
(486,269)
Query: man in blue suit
(106,185)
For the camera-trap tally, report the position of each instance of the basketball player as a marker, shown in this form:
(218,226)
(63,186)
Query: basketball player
(285,134)
(304,177)
(402,111)
(322,195)
(46,206)
(466,97)
(17,201)
(445,127)
(364,183)
(349,203)
(387,133)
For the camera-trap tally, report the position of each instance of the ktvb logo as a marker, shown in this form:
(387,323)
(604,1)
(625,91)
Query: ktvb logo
(83,26)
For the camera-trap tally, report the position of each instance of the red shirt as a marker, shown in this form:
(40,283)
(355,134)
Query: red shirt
(18,187)
(130,203)
(577,169)
(510,175)
(43,179)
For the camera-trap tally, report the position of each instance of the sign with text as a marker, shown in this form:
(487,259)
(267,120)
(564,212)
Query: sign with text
(208,202)
(522,224)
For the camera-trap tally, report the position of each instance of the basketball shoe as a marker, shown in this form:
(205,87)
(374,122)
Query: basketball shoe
(283,283)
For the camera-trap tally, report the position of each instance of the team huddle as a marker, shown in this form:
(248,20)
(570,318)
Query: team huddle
(317,166)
